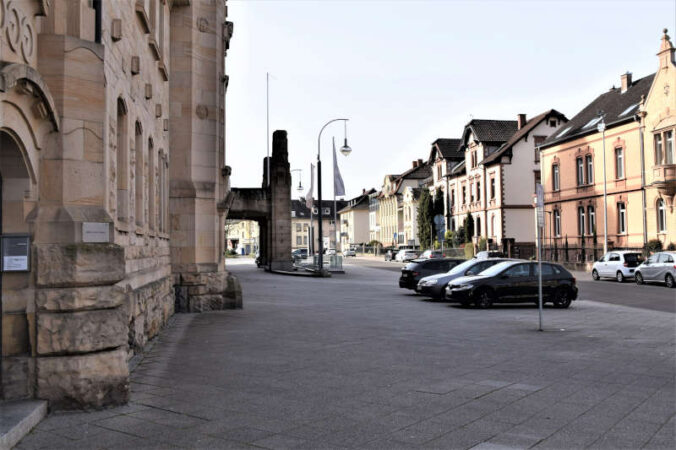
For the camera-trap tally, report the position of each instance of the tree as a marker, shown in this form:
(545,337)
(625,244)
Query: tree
(425,218)
(459,236)
(469,228)
(438,203)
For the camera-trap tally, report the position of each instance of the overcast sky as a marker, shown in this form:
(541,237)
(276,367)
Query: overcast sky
(408,72)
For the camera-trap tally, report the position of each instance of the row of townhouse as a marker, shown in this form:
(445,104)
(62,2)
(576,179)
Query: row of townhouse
(490,172)
(633,156)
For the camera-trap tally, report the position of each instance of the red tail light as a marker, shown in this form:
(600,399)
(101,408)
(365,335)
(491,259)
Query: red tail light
(626,264)
(574,280)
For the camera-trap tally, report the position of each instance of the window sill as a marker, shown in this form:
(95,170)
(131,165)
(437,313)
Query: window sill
(122,226)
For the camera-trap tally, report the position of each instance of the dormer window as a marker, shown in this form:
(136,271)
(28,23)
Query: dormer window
(553,123)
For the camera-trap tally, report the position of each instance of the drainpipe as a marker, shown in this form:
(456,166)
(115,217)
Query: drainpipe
(640,116)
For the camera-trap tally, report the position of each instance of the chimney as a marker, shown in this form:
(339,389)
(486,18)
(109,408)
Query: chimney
(363,191)
(420,162)
(521,121)
(626,82)
(415,164)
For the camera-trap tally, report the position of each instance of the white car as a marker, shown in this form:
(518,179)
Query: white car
(406,255)
(619,264)
(349,252)
(660,267)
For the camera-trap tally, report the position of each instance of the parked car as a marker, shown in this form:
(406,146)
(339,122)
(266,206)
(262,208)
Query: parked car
(434,286)
(660,267)
(390,255)
(617,264)
(485,254)
(349,252)
(299,253)
(412,272)
(514,282)
(406,255)
(330,251)
(431,254)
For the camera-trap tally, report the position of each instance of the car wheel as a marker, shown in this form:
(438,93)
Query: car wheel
(562,298)
(670,281)
(619,277)
(484,299)
(639,278)
(595,275)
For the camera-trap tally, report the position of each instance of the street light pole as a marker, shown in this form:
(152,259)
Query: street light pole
(345,149)
(602,128)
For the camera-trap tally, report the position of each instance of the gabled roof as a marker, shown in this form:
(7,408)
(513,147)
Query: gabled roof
(525,129)
(618,107)
(458,169)
(491,131)
(359,202)
(448,148)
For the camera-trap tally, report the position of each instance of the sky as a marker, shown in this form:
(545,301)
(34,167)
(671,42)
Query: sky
(408,72)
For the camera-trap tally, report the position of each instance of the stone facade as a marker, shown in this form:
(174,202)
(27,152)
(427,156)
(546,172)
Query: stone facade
(111,156)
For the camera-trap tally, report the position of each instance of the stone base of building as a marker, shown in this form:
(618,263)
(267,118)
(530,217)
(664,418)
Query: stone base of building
(207,291)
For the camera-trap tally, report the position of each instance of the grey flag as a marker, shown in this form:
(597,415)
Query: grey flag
(308,196)
(338,185)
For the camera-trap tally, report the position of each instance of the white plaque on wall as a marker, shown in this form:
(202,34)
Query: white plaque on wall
(95,232)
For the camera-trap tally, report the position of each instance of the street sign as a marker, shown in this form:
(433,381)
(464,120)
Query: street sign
(540,204)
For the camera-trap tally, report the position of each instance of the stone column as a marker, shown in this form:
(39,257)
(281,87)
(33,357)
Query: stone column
(81,321)
(197,82)
(280,204)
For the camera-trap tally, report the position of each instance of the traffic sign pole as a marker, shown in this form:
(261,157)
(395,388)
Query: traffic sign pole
(540,211)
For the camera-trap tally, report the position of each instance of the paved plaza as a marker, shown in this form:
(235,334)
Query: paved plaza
(355,362)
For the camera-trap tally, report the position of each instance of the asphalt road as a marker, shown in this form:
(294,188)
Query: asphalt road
(654,297)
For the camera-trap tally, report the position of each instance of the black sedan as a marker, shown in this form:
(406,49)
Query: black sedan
(419,268)
(514,282)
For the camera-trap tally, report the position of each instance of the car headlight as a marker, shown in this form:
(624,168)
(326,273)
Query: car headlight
(428,283)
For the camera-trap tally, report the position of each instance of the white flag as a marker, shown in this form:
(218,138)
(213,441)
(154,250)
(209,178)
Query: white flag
(308,198)
(338,185)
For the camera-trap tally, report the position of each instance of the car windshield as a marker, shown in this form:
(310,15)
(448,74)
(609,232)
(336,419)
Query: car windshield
(496,269)
(633,257)
(461,268)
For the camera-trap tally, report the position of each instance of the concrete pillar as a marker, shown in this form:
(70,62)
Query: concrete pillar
(280,204)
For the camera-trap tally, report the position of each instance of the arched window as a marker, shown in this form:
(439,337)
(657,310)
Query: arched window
(661,216)
(122,163)
(555,177)
(138,175)
(151,185)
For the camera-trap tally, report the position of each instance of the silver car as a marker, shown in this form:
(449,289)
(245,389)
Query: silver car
(660,267)
(434,286)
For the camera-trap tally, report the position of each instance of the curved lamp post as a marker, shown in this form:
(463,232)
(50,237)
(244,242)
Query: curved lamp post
(345,150)
(601,127)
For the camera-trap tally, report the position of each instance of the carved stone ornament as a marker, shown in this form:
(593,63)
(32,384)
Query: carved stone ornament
(202,24)
(18,29)
(202,111)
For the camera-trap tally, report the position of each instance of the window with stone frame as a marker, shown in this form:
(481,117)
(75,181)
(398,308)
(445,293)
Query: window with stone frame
(621,218)
(591,218)
(122,162)
(150,185)
(658,149)
(580,221)
(661,216)
(138,175)
(557,222)
(492,188)
(669,157)
(619,163)
(555,177)
(579,164)
(589,166)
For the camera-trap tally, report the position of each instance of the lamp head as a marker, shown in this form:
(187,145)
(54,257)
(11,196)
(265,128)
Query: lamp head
(300,187)
(345,149)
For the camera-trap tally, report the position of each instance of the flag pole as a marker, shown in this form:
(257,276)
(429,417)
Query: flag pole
(335,210)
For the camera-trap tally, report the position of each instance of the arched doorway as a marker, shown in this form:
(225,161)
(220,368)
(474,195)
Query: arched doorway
(17,202)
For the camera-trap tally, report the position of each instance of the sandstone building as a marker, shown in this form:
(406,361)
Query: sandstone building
(112,166)
(640,167)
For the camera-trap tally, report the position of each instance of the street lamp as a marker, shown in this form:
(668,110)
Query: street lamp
(345,150)
(300,176)
(601,127)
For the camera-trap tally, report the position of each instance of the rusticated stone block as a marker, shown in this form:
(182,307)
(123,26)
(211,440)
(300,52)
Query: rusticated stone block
(18,374)
(82,382)
(80,299)
(73,265)
(80,332)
